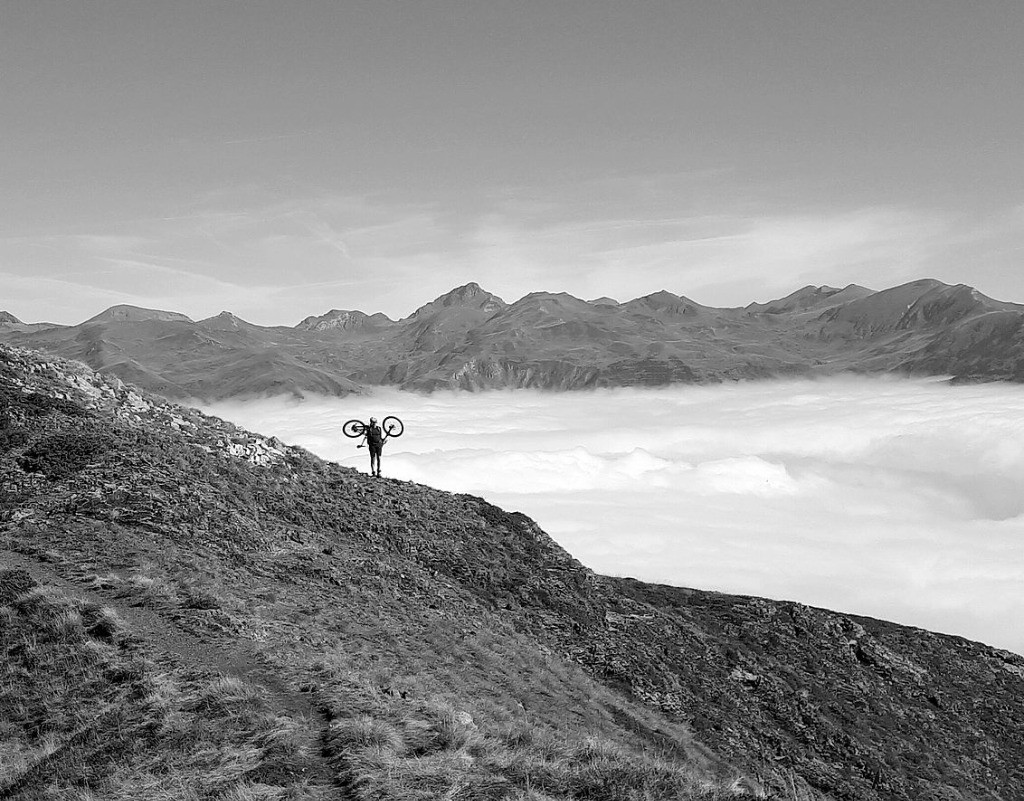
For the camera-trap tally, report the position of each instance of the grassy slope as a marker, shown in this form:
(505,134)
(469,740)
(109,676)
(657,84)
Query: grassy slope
(84,713)
(436,646)
(383,606)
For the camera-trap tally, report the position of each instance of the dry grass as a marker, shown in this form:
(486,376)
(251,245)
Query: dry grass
(197,597)
(497,674)
(437,721)
(79,708)
(436,753)
(149,591)
(423,707)
(149,585)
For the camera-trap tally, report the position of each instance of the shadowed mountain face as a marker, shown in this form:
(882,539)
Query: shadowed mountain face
(241,613)
(471,339)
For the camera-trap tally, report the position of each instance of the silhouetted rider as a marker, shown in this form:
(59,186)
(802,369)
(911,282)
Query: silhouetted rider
(374,439)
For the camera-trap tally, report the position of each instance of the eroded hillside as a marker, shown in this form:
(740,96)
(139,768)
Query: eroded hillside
(371,638)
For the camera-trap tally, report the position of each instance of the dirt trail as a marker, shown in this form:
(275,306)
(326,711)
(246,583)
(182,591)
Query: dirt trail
(168,642)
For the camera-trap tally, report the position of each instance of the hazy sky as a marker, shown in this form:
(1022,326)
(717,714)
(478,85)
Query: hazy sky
(282,158)
(898,499)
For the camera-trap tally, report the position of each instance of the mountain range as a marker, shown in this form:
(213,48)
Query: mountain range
(192,610)
(472,339)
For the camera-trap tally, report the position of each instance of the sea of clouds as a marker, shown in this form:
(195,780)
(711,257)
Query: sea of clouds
(891,498)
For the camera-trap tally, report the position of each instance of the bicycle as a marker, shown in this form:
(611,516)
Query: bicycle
(390,425)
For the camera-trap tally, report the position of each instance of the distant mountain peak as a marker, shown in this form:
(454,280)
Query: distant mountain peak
(810,298)
(560,297)
(666,302)
(6,318)
(470,295)
(471,339)
(224,321)
(343,320)
(916,305)
(124,313)
(929,283)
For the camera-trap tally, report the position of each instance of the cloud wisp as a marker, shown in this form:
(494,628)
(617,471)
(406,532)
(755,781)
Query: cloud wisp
(896,499)
(275,261)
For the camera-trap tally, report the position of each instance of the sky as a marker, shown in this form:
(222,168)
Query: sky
(281,159)
(897,499)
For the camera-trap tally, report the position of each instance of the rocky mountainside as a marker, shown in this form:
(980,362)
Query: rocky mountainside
(263,624)
(471,339)
(338,320)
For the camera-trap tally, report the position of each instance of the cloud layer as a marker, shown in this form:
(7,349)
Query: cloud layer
(896,499)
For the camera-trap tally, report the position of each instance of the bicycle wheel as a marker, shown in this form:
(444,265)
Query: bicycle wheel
(353,428)
(393,427)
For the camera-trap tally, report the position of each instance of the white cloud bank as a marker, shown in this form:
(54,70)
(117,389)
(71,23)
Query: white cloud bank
(896,499)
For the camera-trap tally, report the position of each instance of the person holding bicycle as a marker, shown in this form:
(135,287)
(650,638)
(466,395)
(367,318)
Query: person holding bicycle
(374,439)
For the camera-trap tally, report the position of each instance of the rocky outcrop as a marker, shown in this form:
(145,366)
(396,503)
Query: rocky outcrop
(339,320)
